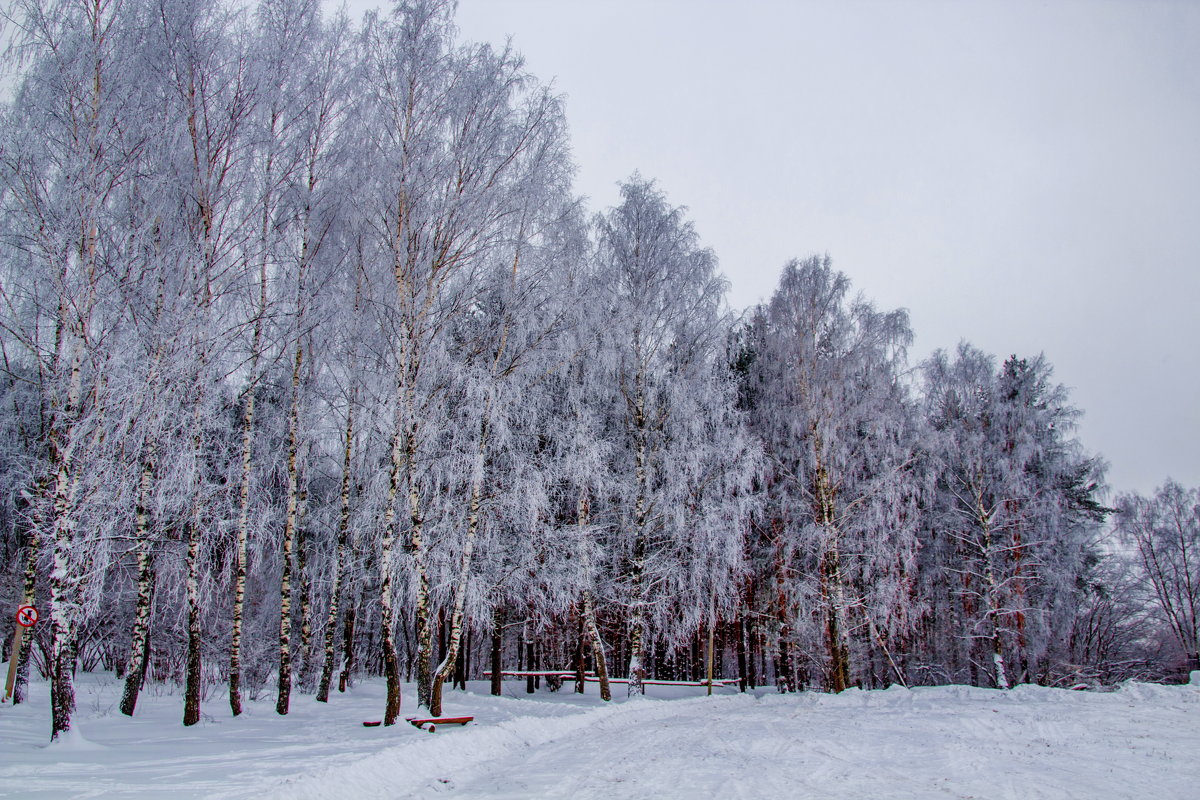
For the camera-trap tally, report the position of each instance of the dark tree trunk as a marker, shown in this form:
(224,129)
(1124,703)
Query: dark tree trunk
(743,675)
(460,665)
(391,666)
(497,650)
(347,648)
(530,653)
(580,655)
(191,703)
(783,668)
(441,622)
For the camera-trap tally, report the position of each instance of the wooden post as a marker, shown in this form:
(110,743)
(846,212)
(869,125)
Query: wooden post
(12,662)
(27,616)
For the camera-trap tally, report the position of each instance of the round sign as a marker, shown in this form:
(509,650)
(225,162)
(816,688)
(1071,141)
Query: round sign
(27,616)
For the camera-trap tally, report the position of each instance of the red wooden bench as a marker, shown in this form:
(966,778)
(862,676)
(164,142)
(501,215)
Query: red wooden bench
(431,724)
(554,677)
(426,724)
(656,682)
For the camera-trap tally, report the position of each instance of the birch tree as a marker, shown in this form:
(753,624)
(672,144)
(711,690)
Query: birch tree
(671,403)
(1165,532)
(64,160)
(1016,503)
(285,31)
(452,136)
(837,426)
(209,104)
(505,348)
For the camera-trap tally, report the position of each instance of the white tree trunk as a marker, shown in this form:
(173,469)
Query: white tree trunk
(283,697)
(583,516)
(464,574)
(343,540)
(135,669)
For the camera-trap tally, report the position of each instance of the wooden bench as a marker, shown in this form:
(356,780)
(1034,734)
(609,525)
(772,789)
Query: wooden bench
(428,724)
(656,682)
(554,677)
(431,724)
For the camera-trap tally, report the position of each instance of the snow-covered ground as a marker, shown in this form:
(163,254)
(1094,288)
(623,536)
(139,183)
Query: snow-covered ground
(954,742)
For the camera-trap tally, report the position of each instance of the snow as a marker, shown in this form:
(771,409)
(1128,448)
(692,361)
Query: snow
(954,741)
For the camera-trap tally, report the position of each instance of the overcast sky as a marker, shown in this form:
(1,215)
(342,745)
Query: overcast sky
(1024,176)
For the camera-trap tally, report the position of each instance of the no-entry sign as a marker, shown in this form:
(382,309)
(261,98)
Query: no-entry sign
(27,616)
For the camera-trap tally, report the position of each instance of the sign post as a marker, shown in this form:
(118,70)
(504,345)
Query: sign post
(27,617)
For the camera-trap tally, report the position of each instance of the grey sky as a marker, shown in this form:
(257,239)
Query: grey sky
(1025,176)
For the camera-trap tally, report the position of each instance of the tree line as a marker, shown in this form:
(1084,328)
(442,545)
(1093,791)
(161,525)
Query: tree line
(314,367)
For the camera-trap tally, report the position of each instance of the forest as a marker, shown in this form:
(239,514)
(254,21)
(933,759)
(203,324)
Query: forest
(315,368)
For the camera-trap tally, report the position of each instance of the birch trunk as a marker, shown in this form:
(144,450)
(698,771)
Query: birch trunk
(456,620)
(62,442)
(84,172)
(243,525)
(294,491)
(139,648)
(136,666)
(423,611)
(403,465)
(191,703)
(343,542)
(209,168)
(283,697)
(836,625)
(305,590)
(637,670)
(464,574)
(347,648)
(583,515)
(391,664)
(991,589)
(30,594)
(839,666)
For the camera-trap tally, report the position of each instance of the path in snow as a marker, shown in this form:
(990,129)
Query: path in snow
(940,742)
(954,742)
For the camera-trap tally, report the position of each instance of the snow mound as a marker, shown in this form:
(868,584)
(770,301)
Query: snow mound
(73,741)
